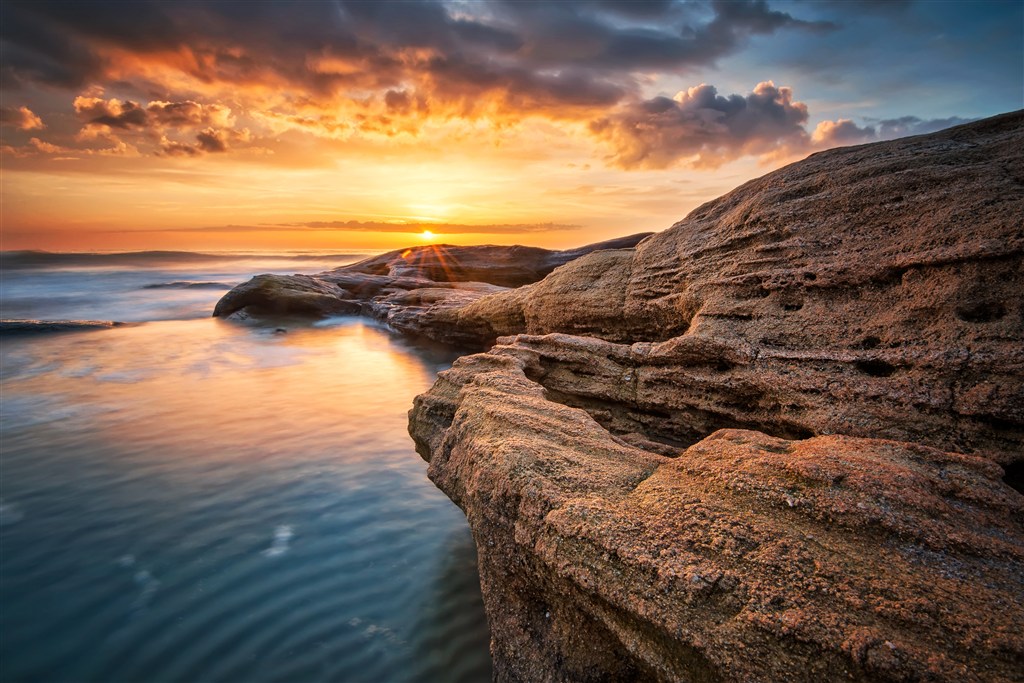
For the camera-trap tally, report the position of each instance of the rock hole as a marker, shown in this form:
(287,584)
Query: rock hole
(1014,477)
(810,276)
(981,311)
(792,306)
(870,342)
(875,368)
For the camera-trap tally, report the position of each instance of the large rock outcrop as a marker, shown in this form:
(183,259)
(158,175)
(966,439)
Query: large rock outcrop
(744,557)
(774,442)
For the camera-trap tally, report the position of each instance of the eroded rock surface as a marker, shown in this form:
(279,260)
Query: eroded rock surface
(744,557)
(774,442)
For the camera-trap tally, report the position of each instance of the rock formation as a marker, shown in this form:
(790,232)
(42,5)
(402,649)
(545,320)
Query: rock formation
(418,291)
(777,441)
(765,444)
(744,557)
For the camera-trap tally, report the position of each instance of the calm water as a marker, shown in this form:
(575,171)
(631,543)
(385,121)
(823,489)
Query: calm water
(192,500)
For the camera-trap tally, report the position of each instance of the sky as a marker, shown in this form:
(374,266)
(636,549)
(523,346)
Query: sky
(355,124)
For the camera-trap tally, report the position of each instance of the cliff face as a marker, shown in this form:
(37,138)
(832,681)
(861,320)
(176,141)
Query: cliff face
(765,444)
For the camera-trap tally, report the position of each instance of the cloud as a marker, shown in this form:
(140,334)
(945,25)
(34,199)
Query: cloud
(384,226)
(125,115)
(37,147)
(841,132)
(159,120)
(352,70)
(703,128)
(912,125)
(189,114)
(21,118)
(518,57)
(112,113)
(846,132)
(212,140)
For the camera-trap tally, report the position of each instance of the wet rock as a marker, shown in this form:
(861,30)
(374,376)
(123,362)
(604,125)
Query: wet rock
(420,291)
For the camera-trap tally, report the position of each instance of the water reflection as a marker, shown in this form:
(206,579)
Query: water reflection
(197,500)
(449,629)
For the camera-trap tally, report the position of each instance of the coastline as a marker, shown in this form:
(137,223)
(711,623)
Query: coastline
(775,441)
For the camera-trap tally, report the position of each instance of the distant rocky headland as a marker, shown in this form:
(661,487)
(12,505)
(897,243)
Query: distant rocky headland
(782,440)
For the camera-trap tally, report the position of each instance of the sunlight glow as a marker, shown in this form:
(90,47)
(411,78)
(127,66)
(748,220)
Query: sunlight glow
(427,235)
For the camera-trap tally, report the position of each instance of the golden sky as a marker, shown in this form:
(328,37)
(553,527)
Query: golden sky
(234,125)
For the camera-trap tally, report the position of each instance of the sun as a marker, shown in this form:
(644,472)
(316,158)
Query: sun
(427,235)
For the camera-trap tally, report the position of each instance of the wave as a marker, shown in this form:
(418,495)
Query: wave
(185,284)
(50,326)
(29,259)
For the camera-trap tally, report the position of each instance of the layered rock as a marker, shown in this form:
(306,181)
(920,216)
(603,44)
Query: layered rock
(773,442)
(744,557)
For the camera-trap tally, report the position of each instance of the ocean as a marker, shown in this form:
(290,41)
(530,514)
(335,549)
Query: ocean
(189,499)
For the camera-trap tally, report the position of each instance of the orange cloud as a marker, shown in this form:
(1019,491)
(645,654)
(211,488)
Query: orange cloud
(21,118)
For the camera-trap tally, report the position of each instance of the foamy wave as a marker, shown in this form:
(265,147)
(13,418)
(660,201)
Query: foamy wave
(283,535)
(184,284)
(10,514)
(21,260)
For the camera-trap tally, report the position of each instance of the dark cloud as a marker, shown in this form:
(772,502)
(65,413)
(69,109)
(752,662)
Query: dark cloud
(212,140)
(382,67)
(884,7)
(911,125)
(703,127)
(112,113)
(582,53)
(172,148)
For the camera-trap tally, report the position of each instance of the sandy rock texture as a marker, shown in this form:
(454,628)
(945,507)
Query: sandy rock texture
(778,441)
(744,557)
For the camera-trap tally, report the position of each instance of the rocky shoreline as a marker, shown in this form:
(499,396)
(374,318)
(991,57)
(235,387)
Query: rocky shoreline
(781,440)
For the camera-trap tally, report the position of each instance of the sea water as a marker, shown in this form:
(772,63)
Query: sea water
(190,499)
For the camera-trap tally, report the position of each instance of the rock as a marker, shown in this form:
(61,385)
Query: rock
(746,557)
(774,442)
(889,273)
(419,291)
(503,266)
(283,295)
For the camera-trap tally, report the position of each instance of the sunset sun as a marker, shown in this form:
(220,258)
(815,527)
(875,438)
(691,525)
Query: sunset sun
(427,235)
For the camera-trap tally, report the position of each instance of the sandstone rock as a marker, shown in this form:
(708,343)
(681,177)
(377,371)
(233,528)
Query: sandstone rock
(773,442)
(871,291)
(745,558)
